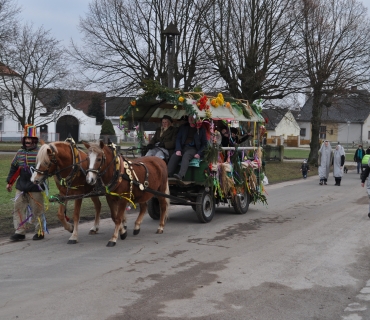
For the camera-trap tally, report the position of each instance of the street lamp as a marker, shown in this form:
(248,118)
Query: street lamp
(348,123)
(170,32)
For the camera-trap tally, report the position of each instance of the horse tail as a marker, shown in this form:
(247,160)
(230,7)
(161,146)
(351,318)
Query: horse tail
(167,199)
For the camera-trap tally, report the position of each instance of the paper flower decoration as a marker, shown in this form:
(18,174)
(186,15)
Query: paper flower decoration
(133,103)
(181,99)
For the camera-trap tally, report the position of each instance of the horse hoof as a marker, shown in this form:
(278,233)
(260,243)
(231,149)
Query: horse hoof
(136,232)
(123,236)
(111,244)
(72,241)
(159,231)
(92,232)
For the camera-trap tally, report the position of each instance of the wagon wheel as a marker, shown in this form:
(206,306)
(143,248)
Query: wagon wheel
(241,202)
(206,208)
(154,209)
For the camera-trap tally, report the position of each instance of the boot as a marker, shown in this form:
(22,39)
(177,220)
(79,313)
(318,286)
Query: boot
(325,181)
(336,182)
(320,183)
(17,237)
(339,180)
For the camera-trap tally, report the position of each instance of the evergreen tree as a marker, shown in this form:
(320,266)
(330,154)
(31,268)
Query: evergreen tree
(107,128)
(95,108)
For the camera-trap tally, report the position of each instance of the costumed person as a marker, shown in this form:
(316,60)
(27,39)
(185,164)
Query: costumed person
(365,160)
(338,163)
(190,143)
(29,202)
(305,168)
(163,143)
(359,154)
(235,137)
(364,177)
(324,161)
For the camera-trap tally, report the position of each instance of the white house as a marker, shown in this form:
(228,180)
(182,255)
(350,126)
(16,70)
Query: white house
(345,120)
(280,125)
(58,112)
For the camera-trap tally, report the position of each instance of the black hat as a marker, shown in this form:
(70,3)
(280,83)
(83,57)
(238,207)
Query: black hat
(184,118)
(167,117)
(234,130)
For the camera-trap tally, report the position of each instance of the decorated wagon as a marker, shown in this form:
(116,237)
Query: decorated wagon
(230,176)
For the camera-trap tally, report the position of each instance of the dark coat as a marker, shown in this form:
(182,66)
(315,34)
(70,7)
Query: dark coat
(200,139)
(359,154)
(168,138)
(24,159)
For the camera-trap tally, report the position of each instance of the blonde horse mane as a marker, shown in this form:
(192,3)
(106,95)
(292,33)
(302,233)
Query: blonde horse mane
(95,147)
(43,156)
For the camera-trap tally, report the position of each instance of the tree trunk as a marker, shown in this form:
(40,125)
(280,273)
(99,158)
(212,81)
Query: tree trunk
(315,127)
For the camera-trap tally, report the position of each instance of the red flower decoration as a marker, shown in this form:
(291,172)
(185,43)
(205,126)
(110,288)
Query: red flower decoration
(203,103)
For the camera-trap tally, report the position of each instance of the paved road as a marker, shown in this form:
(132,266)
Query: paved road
(305,256)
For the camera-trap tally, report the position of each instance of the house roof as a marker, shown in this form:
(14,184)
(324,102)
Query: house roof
(273,116)
(5,70)
(54,98)
(354,108)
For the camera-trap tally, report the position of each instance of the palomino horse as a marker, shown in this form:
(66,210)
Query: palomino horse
(68,166)
(126,182)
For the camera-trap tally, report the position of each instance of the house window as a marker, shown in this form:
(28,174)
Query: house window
(368,134)
(322,132)
(1,123)
(68,108)
(303,132)
(331,131)
(20,128)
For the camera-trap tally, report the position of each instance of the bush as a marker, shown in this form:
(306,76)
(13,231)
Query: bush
(107,128)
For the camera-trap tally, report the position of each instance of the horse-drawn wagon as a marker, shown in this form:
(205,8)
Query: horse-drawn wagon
(229,176)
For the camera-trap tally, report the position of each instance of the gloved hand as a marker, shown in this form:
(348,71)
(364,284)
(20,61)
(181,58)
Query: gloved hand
(161,145)
(150,146)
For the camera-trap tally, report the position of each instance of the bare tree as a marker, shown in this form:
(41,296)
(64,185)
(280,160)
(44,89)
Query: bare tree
(124,44)
(333,51)
(247,44)
(32,61)
(8,20)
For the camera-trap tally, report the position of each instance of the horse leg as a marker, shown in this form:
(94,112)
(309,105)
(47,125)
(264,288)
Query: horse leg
(116,208)
(139,220)
(62,217)
(97,205)
(76,219)
(163,205)
(123,231)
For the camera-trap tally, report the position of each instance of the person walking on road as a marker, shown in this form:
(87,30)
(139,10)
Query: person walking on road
(324,162)
(364,177)
(359,154)
(338,163)
(29,201)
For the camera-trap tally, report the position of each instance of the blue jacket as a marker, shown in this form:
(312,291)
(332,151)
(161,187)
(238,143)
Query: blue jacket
(200,139)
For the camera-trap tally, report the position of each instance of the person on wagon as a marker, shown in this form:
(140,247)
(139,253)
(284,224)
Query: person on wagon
(190,143)
(162,144)
(235,137)
(29,201)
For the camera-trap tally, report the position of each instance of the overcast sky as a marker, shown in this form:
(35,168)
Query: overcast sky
(62,16)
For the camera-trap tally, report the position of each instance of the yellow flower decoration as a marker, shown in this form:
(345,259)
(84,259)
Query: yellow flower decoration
(214,103)
(133,103)
(181,99)
(208,114)
(175,107)
(228,105)
(121,117)
(137,109)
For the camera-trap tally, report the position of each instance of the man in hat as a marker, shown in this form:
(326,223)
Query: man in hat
(29,202)
(190,143)
(162,144)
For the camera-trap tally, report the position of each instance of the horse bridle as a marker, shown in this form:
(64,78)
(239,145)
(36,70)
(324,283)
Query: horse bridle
(53,160)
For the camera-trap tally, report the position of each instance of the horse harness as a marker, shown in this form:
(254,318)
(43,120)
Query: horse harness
(128,174)
(65,182)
